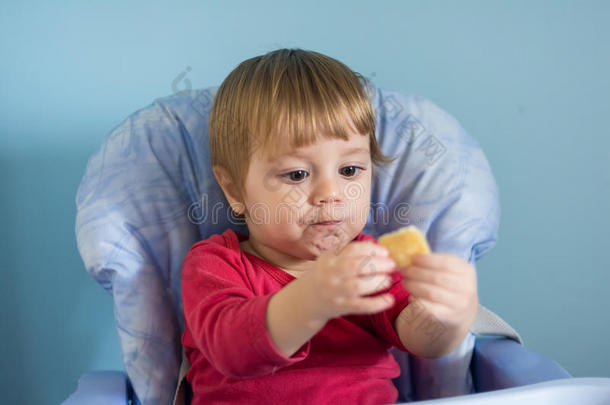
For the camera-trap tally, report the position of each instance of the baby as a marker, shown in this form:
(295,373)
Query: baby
(306,308)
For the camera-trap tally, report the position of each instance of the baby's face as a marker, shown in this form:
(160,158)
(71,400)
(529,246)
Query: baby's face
(287,198)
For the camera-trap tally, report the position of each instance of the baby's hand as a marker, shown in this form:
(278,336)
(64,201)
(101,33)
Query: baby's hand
(445,285)
(340,279)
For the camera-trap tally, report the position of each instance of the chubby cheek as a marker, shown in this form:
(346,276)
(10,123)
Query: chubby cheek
(359,205)
(288,214)
(265,209)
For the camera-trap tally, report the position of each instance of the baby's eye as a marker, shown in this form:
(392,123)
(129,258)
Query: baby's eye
(350,171)
(296,175)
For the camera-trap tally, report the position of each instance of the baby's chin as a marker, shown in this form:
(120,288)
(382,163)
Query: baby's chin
(312,248)
(329,242)
(311,243)
(326,243)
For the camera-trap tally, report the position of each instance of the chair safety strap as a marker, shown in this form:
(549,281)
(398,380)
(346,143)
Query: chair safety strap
(181,389)
(489,323)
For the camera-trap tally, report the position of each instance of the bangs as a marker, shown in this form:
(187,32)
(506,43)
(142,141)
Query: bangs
(300,97)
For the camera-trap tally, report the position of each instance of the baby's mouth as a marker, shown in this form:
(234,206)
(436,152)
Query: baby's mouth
(326,225)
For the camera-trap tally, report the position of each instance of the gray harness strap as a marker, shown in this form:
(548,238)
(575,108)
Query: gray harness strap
(180,394)
(488,323)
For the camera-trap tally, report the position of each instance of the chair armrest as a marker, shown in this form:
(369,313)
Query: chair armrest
(582,391)
(101,388)
(499,363)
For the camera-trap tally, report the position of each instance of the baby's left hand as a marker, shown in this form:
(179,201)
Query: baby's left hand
(445,285)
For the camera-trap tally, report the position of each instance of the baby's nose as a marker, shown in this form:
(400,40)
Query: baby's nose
(325,191)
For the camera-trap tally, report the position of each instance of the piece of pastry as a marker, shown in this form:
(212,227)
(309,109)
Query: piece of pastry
(404,243)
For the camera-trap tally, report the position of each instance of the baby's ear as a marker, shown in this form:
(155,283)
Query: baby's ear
(229,188)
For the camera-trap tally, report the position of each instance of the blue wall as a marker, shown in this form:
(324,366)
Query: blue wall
(526,79)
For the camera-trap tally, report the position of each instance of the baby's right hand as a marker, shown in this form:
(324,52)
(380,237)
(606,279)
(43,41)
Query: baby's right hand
(339,280)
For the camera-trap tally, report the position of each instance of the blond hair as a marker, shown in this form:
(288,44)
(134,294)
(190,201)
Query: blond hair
(287,97)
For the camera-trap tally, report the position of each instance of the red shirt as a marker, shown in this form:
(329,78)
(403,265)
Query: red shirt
(233,359)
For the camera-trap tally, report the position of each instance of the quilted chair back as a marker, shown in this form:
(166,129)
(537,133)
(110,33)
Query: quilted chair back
(149,194)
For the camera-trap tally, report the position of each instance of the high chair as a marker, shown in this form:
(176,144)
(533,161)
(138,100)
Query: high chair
(148,194)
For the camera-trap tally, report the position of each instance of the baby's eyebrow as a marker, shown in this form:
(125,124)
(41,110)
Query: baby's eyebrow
(349,151)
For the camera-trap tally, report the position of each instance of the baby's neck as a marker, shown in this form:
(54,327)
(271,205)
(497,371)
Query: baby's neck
(246,247)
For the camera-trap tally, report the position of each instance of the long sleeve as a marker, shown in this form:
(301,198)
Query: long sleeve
(383,322)
(225,320)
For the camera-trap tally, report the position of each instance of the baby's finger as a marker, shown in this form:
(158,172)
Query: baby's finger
(366,249)
(370,305)
(442,278)
(370,266)
(441,261)
(430,292)
(371,284)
